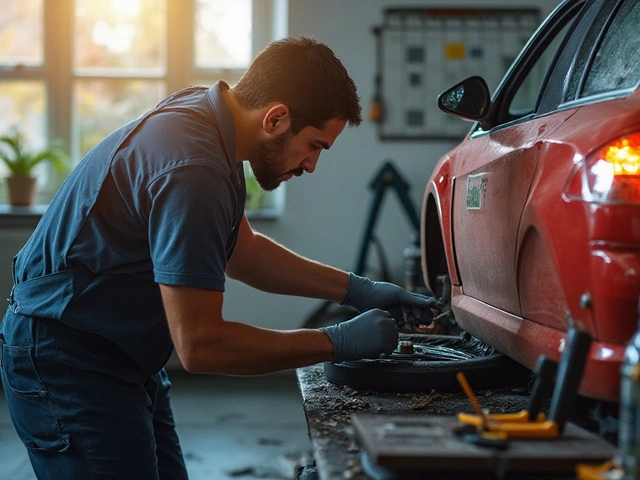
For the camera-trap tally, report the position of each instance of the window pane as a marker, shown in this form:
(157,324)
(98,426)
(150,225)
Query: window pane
(102,106)
(21,32)
(525,98)
(616,64)
(584,52)
(122,34)
(22,104)
(223,33)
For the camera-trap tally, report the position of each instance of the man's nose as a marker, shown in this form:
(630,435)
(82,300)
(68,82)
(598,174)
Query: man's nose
(309,163)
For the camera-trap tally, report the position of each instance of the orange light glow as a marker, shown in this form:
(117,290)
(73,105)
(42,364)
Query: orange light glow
(623,155)
(614,172)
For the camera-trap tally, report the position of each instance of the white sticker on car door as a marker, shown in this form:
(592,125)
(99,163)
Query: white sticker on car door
(476,191)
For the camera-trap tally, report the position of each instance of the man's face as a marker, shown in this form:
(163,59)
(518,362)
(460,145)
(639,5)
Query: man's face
(280,158)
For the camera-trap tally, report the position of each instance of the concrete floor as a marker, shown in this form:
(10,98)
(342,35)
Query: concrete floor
(244,428)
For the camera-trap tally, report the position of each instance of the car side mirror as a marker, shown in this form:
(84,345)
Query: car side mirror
(470,99)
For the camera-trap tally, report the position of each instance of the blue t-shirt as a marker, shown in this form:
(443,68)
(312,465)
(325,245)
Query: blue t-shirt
(159,200)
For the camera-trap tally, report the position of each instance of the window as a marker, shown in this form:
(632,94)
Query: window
(616,65)
(23,92)
(78,69)
(524,101)
(118,67)
(584,51)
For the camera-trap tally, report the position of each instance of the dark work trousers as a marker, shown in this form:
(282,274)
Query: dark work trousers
(82,408)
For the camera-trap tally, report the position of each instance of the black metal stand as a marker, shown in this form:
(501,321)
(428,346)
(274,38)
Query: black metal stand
(385,178)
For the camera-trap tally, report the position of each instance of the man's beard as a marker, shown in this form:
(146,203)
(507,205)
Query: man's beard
(268,161)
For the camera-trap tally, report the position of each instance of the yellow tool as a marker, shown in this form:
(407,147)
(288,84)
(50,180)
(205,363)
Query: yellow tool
(519,417)
(532,423)
(514,425)
(484,422)
(605,471)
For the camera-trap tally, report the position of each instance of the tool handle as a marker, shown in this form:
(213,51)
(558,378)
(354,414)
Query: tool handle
(545,370)
(569,375)
(472,398)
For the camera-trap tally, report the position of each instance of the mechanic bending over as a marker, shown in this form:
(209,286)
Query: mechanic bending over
(130,258)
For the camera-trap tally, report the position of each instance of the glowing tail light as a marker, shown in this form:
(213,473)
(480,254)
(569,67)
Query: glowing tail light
(612,174)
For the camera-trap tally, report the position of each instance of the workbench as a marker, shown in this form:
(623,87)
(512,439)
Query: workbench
(328,409)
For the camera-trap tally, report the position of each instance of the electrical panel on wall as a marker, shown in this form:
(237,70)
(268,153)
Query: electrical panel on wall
(423,51)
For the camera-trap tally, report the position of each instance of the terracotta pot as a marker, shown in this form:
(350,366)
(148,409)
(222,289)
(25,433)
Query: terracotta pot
(21,190)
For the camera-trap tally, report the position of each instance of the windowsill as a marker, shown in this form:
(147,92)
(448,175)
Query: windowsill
(31,211)
(20,217)
(11,216)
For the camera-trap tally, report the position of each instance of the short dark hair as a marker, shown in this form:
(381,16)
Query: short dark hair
(307,77)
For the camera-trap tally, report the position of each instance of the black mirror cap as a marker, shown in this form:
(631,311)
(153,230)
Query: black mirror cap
(470,99)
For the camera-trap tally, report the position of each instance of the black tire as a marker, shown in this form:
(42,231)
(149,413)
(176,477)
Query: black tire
(484,369)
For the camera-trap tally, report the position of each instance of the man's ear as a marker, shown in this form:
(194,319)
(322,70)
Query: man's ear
(277,120)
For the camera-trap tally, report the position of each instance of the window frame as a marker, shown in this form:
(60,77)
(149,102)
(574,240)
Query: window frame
(566,13)
(269,21)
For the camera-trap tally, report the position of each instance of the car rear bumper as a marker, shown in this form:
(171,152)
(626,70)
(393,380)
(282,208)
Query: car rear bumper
(525,341)
(615,272)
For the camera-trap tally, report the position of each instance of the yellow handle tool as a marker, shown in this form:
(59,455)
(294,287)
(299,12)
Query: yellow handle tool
(514,425)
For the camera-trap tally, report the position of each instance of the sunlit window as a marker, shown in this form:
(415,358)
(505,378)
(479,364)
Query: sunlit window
(22,104)
(120,64)
(22,100)
(22,33)
(223,34)
(78,69)
(120,35)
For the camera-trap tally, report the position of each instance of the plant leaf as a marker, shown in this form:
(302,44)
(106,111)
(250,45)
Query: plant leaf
(21,161)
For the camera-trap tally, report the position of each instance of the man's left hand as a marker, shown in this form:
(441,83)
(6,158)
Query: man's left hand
(405,307)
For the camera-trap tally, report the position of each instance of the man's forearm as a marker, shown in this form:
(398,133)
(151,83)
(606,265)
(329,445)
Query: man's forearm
(206,343)
(240,349)
(271,267)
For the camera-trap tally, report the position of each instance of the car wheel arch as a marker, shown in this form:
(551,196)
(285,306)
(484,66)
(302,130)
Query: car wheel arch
(434,253)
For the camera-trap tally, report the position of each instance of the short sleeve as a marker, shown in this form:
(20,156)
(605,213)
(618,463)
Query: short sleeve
(192,226)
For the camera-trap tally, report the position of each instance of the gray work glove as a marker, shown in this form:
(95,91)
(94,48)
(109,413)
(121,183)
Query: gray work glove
(368,335)
(406,307)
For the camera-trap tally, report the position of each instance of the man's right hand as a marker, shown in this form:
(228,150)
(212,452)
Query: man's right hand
(368,335)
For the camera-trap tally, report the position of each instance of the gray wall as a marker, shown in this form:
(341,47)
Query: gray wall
(326,211)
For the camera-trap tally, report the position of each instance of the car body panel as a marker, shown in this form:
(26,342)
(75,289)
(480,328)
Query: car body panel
(485,238)
(558,249)
(527,255)
(525,341)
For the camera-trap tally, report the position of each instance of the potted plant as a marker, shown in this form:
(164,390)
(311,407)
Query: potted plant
(21,160)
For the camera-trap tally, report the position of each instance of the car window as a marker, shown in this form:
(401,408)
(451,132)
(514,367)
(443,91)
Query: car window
(616,65)
(524,101)
(583,54)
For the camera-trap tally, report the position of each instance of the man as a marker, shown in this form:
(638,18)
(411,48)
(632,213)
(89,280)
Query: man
(129,261)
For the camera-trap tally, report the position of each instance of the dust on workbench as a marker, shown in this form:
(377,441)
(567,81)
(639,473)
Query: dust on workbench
(320,395)
(328,408)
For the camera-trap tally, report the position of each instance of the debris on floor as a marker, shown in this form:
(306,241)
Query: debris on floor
(285,467)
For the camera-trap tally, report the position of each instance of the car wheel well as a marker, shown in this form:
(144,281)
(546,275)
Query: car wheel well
(435,257)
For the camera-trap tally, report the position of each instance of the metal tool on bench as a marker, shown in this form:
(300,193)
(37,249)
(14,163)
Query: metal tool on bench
(481,434)
(532,423)
(545,371)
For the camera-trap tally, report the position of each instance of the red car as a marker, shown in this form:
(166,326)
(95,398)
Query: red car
(532,223)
